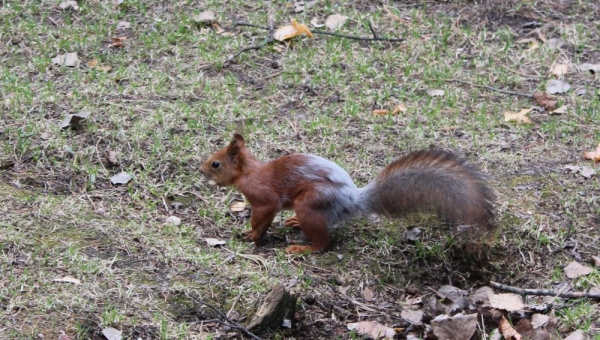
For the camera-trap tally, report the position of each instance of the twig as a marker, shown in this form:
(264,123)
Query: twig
(491,88)
(372,31)
(229,323)
(543,292)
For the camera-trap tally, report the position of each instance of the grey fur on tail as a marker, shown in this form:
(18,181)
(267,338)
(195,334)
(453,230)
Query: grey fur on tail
(432,180)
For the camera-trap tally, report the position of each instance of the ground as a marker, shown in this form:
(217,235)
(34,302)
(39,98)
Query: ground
(170,90)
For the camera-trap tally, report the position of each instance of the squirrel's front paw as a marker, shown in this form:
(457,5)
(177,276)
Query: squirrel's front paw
(252,235)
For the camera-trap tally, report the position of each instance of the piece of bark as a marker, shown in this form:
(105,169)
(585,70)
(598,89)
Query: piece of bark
(279,305)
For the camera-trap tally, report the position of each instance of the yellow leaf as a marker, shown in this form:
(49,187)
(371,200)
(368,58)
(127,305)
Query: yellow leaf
(380,112)
(518,117)
(92,63)
(289,31)
(559,69)
(399,108)
(534,45)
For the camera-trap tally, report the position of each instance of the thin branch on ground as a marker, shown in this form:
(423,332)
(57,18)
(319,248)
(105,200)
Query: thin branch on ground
(543,292)
(491,88)
(228,322)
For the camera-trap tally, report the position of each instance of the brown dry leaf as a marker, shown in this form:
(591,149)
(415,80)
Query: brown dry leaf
(117,42)
(508,302)
(394,16)
(575,269)
(451,293)
(399,108)
(593,155)
(368,294)
(545,100)
(561,110)
(335,21)
(559,69)
(524,327)
(457,327)
(68,279)
(373,329)
(507,331)
(519,117)
(111,158)
(480,297)
(238,206)
(596,260)
(289,31)
(92,63)
(380,112)
(539,320)
(67,59)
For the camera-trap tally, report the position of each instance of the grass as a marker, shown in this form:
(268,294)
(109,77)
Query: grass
(170,99)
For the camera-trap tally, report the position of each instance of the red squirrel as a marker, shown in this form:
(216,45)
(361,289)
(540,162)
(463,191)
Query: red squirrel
(322,194)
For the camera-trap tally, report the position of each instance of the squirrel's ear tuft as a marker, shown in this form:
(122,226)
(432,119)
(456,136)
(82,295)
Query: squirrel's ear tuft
(235,145)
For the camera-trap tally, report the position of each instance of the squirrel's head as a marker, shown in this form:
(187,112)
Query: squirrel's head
(225,165)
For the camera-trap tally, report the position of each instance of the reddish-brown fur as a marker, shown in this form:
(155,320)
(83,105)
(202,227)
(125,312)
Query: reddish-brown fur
(322,194)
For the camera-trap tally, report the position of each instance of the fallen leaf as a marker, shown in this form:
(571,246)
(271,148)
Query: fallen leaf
(238,206)
(575,269)
(480,297)
(555,44)
(68,4)
(214,242)
(587,172)
(436,93)
(121,25)
(592,68)
(315,22)
(451,293)
(412,316)
(111,158)
(368,294)
(373,329)
(112,333)
(507,301)
(555,86)
(68,279)
(74,119)
(174,220)
(561,110)
(525,40)
(120,178)
(67,59)
(507,331)
(539,320)
(524,327)
(206,17)
(596,260)
(63,336)
(457,327)
(581,92)
(92,63)
(104,68)
(380,112)
(577,335)
(593,155)
(519,117)
(289,31)
(335,21)
(117,42)
(573,168)
(545,100)
(559,69)
(399,108)
(412,234)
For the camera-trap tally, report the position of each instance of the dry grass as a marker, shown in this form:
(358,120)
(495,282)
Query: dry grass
(171,98)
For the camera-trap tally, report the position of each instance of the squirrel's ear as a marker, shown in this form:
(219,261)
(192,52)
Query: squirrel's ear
(235,145)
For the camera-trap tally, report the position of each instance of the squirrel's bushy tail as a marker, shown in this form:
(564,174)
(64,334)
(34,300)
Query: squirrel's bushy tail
(434,180)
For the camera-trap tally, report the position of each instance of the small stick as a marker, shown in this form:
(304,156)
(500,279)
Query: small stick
(229,323)
(543,292)
(491,88)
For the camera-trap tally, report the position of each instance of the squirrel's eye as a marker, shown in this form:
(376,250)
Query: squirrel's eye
(215,165)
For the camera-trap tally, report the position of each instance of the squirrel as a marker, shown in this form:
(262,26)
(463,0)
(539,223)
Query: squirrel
(322,194)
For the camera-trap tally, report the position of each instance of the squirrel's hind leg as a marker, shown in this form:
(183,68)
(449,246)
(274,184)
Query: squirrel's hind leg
(314,225)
